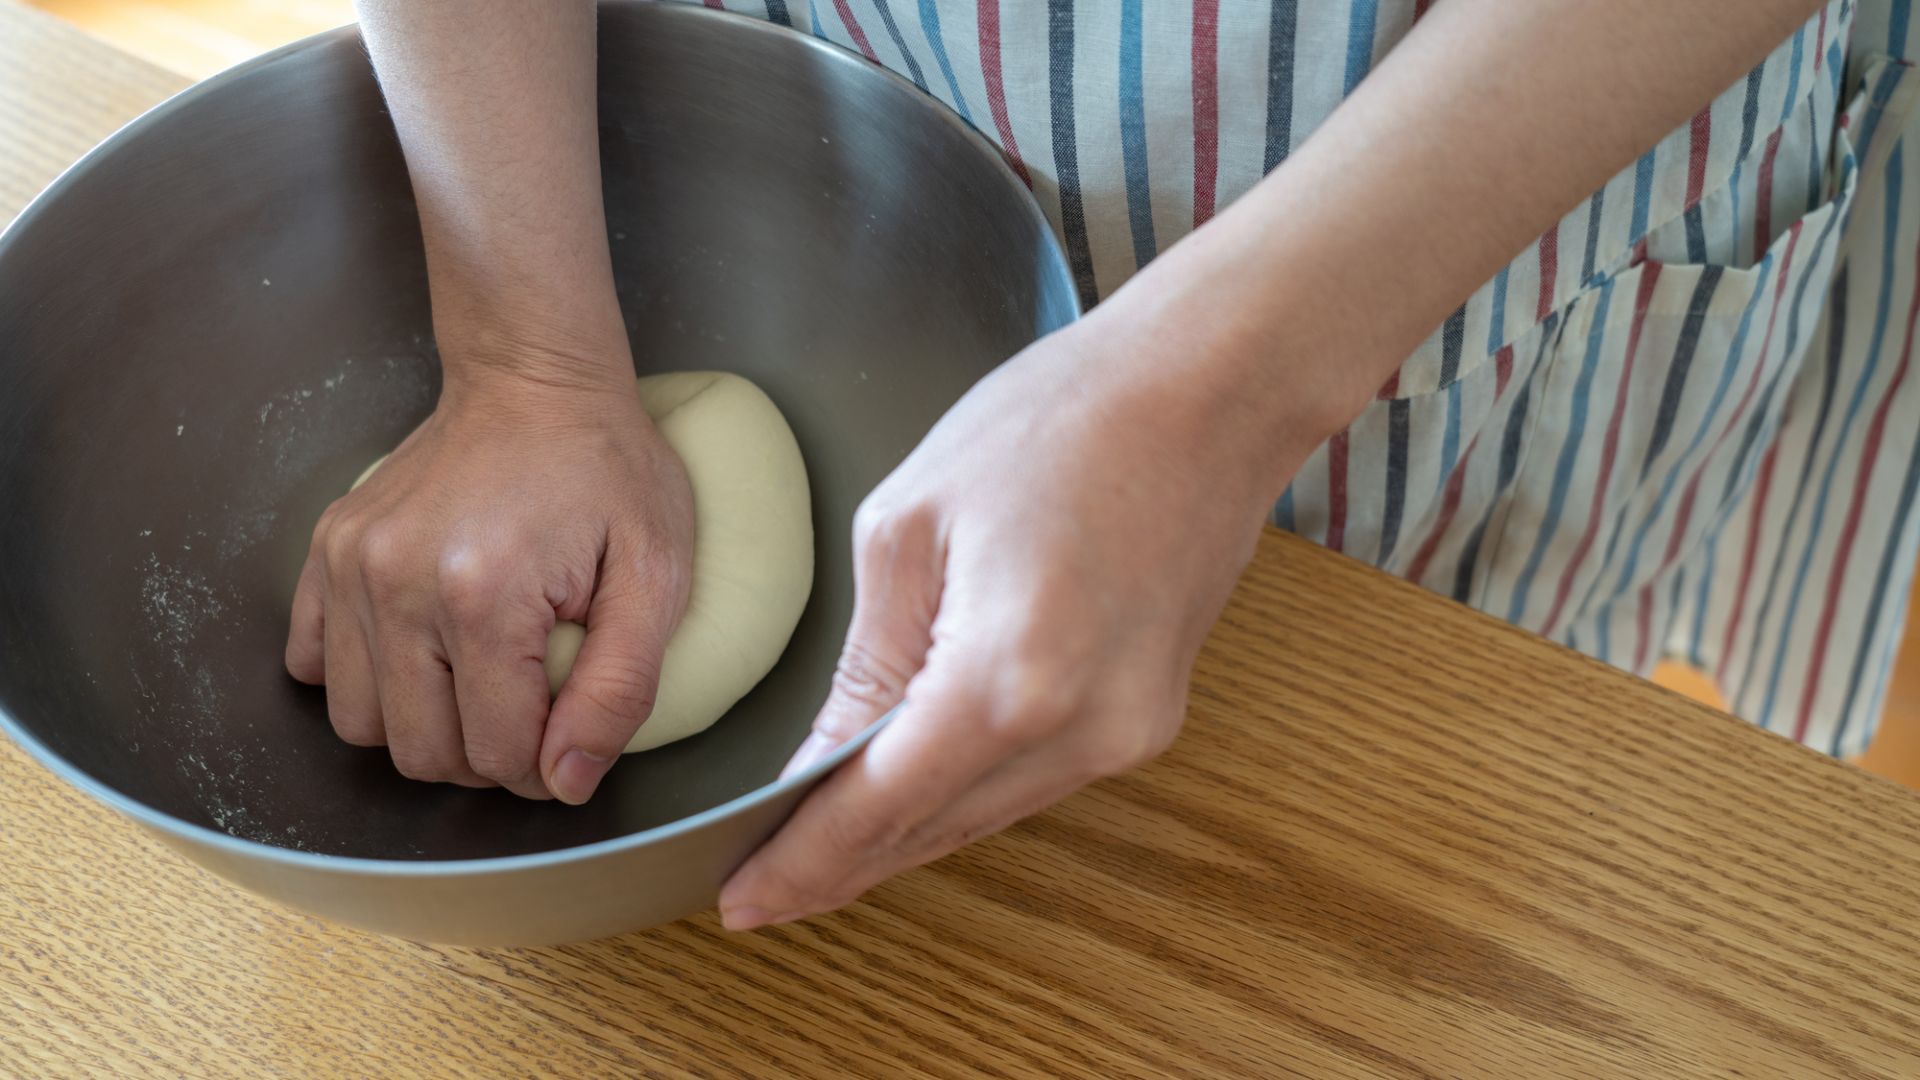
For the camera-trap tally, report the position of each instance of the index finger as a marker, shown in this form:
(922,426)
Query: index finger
(841,840)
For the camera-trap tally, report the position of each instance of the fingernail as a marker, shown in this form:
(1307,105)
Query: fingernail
(816,747)
(743,918)
(576,775)
(753,918)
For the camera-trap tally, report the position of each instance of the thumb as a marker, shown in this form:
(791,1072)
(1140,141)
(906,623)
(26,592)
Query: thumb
(897,582)
(611,690)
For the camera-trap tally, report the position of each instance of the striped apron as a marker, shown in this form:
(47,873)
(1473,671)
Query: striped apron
(1680,424)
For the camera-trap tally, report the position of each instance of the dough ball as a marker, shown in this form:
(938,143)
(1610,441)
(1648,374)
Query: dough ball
(752,550)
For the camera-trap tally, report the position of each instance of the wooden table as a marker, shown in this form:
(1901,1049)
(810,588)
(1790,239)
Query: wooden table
(1397,839)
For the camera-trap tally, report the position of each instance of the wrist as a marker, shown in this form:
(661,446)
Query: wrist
(1261,382)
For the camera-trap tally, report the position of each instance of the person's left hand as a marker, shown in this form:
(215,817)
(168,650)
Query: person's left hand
(1035,582)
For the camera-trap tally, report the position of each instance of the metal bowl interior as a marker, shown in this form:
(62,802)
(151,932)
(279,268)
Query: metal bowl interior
(212,323)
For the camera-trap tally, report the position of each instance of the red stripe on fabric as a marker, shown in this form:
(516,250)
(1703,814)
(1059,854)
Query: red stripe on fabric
(1206,109)
(1449,505)
(1820,42)
(1685,514)
(1702,136)
(1337,491)
(1609,447)
(715,5)
(853,29)
(1549,270)
(1763,199)
(1761,486)
(989,24)
(1389,389)
(1420,8)
(1849,532)
(1450,495)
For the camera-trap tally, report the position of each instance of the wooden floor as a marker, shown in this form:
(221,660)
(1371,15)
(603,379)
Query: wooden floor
(200,37)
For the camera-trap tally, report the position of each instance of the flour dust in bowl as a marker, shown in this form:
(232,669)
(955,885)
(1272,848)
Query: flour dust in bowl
(211,324)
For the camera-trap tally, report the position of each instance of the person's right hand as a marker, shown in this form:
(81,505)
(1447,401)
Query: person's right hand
(429,590)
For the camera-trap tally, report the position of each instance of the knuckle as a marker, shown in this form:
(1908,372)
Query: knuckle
(469,585)
(623,698)
(866,678)
(381,553)
(1033,701)
(357,731)
(420,763)
(499,762)
(1116,748)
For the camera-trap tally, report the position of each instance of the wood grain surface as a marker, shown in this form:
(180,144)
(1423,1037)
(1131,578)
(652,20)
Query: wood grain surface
(1397,839)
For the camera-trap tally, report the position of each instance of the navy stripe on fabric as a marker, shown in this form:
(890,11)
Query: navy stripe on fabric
(1399,421)
(1750,112)
(1836,334)
(1133,134)
(1452,341)
(1363,15)
(930,24)
(1282,24)
(1510,444)
(777,12)
(1897,23)
(900,42)
(1066,151)
(1595,204)
(1696,234)
(1684,350)
(1569,454)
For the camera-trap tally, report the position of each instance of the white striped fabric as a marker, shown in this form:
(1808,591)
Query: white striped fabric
(1681,423)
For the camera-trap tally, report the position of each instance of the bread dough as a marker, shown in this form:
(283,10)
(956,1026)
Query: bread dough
(752,550)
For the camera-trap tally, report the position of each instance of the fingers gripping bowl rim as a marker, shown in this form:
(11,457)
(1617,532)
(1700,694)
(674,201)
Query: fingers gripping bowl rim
(171,413)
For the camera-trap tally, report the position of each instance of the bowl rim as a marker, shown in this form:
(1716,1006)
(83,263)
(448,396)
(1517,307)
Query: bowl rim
(207,837)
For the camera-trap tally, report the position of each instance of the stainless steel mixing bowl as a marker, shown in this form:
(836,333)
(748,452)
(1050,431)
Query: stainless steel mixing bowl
(217,318)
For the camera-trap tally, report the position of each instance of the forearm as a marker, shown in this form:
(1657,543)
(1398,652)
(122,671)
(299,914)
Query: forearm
(494,101)
(1472,138)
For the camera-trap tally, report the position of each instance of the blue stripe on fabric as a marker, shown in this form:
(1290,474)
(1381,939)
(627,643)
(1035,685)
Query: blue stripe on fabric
(1510,443)
(1133,134)
(1642,197)
(1889,555)
(1450,439)
(813,20)
(1497,313)
(1361,21)
(1066,150)
(777,12)
(1836,316)
(1897,26)
(1569,453)
(1876,109)
(900,42)
(1700,437)
(1733,201)
(1283,510)
(1876,344)
(1793,73)
(1816,163)
(1684,350)
(1283,25)
(930,24)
